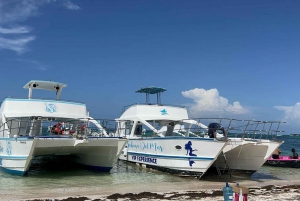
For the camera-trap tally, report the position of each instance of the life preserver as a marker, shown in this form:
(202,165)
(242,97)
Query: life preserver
(56,129)
(82,127)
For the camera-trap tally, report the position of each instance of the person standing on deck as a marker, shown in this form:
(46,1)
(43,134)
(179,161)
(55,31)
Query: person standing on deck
(212,130)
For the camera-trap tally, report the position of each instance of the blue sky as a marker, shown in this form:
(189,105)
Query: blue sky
(237,59)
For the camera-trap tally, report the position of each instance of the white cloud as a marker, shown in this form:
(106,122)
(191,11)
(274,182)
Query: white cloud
(14,30)
(71,6)
(41,68)
(13,12)
(35,64)
(16,11)
(291,113)
(18,45)
(210,100)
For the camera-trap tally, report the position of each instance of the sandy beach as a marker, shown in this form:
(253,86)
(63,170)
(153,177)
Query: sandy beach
(267,193)
(272,190)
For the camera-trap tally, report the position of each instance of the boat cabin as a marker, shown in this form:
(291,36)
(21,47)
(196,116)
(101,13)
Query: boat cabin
(153,119)
(27,117)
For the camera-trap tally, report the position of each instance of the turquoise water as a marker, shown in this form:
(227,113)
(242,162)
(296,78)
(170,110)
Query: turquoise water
(58,175)
(289,143)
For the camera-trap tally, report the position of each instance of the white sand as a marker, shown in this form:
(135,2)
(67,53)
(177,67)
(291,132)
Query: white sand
(170,189)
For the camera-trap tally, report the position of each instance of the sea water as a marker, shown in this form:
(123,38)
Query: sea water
(59,176)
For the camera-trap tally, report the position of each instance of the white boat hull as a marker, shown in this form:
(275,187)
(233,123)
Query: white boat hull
(166,121)
(246,155)
(94,153)
(184,154)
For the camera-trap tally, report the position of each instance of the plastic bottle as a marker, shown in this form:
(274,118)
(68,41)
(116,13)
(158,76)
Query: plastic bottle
(236,196)
(228,193)
(240,194)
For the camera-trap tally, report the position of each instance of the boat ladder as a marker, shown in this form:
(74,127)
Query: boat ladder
(221,170)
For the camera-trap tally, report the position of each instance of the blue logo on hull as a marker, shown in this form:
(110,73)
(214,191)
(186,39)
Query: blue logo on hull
(189,151)
(50,108)
(8,148)
(164,112)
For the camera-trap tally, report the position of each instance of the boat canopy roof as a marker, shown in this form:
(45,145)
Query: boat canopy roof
(151,90)
(46,85)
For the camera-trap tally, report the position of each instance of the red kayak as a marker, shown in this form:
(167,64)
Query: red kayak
(284,161)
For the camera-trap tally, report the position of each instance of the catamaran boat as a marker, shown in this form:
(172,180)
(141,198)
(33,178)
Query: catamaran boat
(167,151)
(251,144)
(169,127)
(41,127)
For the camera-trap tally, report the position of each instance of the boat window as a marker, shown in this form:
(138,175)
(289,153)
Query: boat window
(138,129)
(128,127)
(170,129)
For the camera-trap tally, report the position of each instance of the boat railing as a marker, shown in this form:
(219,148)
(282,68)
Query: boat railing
(109,127)
(128,106)
(198,127)
(40,98)
(49,127)
(245,129)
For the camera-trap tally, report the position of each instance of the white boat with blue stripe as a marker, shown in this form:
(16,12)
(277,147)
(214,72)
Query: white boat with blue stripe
(166,150)
(251,141)
(31,127)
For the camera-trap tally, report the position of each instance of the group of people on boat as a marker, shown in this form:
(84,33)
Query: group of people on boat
(62,128)
(289,161)
(277,152)
(59,128)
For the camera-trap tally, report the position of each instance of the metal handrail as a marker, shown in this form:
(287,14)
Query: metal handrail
(263,128)
(110,128)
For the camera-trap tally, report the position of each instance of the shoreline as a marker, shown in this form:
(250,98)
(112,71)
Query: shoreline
(265,193)
(195,190)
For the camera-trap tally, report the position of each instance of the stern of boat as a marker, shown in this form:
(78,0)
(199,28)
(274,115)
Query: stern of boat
(16,154)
